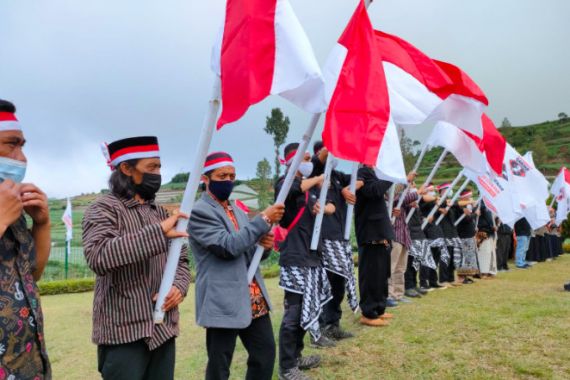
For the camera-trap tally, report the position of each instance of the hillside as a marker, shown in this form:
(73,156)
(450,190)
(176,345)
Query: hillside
(550,142)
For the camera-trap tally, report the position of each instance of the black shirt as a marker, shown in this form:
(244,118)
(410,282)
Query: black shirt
(371,211)
(415,226)
(296,249)
(333,225)
(522,228)
(432,230)
(465,228)
(504,229)
(448,224)
(486,220)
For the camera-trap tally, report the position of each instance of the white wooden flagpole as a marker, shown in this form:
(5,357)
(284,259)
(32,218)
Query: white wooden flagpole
(454,199)
(286,187)
(442,198)
(408,187)
(430,178)
(350,208)
(208,128)
(322,202)
(391,195)
(463,216)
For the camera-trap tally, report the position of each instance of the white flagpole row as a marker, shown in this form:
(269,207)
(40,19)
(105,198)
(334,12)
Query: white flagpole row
(286,187)
(430,178)
(454,199)
(408,187)
(552,202)
(441,199)
(322,202)
(463,216)
(350,208)
(208,128)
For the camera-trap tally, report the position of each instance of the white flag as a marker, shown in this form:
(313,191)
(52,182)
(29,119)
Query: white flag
(561,191)
(67,220)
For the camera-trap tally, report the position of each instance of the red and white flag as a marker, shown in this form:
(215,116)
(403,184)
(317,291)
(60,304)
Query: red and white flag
(473,153)
(423,89)
(357,125)
(561,191)
(67,220)
(262,49)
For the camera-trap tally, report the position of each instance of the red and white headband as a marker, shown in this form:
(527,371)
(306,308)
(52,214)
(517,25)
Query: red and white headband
(9,122)
(289,158)
(217,160)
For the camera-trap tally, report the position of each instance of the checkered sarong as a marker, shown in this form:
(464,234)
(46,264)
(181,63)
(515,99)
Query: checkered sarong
(313,284)
(440,243)
(456,244)
(337,258)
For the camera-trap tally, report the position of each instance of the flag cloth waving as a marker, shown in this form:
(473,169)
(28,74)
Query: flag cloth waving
(359,108)
(425,89)
(263,50)
(561,191)
(67,220)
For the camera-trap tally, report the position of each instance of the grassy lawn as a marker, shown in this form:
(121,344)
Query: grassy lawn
(514,327)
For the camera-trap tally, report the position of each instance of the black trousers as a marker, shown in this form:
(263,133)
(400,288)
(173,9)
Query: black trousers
(447,271)
(257,339)
(291,334)
(373,274)
(411,275)
(428,276)
(504,246)
(134,361)
(332,311)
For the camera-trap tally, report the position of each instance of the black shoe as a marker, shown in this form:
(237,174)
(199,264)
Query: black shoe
(412,293)
(567,287)
(436,286)
(336,333)
(422,291)
(308,362)
(468,281)
(322,342)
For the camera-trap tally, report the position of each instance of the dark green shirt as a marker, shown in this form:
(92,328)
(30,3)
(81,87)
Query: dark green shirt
(22,349)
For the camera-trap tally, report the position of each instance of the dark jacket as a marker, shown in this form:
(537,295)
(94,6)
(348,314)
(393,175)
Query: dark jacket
(448,224)
(432,230)
(296,249)
(522,228)
(486,220)
(465,228)
(415,226)
(371,212)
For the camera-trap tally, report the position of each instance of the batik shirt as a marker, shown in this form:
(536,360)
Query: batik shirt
(22,349)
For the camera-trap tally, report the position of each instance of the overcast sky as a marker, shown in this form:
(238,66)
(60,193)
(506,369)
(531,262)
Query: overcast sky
(83,72)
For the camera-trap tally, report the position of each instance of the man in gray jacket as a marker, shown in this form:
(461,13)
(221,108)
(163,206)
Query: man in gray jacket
(223,241)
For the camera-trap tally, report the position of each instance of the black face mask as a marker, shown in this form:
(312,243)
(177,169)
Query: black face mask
(221,189)
(149,186)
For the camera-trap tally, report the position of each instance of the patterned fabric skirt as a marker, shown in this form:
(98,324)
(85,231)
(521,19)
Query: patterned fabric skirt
(456,244)
(313,284)
(467,265)
(441,244)
(421,254)
(337,258)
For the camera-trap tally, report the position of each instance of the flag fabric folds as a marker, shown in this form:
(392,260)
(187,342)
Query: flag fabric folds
(262,49)
(67,220)
(561,191)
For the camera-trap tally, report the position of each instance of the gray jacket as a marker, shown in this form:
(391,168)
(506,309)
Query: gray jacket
(222,256)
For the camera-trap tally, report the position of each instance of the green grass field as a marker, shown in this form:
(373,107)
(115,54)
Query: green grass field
(514,327)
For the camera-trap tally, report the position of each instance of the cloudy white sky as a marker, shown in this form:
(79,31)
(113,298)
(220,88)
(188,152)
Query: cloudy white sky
(83,72)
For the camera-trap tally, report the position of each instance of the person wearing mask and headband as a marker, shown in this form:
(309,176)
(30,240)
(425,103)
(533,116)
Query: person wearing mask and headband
(126,236)
(223,242)
(23,256)
(302,275)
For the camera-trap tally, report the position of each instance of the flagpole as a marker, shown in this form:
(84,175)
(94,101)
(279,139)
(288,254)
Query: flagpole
(454,199)
(463,216)
(552,202)
(287,183)
(430,178)
(391,196)
(408,187)
(188,199)
(350,208)
(440,201)
(322,202)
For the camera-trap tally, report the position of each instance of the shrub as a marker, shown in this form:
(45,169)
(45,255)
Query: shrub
(66,286)
(566,246)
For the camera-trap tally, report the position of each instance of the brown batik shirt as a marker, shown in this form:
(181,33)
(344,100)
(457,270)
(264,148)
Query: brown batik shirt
(22,348)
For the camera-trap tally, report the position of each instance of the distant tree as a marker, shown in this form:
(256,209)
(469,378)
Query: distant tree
(562,117)
(263,174)
(181,178)
(277,126)
(506,123)
(539,151)
(409,148)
